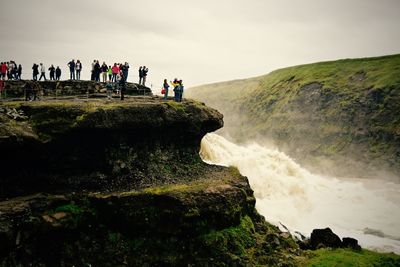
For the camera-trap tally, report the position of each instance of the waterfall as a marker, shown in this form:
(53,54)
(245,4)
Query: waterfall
(366,209)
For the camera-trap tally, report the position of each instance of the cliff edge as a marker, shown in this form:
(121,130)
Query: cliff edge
(104,183)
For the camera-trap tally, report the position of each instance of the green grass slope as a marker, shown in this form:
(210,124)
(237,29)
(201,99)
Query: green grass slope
(349,258)
(342,113)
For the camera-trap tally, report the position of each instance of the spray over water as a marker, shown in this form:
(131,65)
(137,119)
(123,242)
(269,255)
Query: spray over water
(368,210)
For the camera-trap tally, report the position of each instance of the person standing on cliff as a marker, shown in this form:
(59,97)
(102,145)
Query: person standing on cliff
(42,72)
(166,86)
(35,73)
(180,90)
(19,71)
(115,71)
(52,71)
(175,84)
(122,85)
(109,72)
(71,66)
(145,70)
(126,71)
(3,70)
(58,73)
(140,75)
(104,69)
(97,71)
(78,68)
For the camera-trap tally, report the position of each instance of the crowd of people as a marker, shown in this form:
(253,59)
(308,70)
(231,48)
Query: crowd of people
(177,88)
(113,73)
(115,76)
(10,70)
(54,73)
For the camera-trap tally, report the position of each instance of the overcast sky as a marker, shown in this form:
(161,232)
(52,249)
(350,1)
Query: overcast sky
(199,41)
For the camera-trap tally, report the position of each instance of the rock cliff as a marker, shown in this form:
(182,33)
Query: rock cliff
(106,183)
(339,117)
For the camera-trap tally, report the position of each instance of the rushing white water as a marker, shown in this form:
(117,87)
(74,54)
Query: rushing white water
(368,210)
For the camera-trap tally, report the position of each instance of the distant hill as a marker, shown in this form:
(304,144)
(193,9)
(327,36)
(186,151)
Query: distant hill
(340,116)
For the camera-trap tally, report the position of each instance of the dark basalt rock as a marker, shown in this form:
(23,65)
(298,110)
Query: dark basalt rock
(324,238)
(15,89)
(349,242)
(66,145)
(105,183)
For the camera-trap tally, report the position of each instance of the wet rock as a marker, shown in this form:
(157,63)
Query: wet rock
(324,238)
(352,243)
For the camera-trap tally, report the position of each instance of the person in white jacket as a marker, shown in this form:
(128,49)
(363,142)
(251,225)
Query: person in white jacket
(42,72)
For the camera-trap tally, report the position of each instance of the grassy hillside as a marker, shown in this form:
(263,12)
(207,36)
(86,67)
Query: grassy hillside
(342,113)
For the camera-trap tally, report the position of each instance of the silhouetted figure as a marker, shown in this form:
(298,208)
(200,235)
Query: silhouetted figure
(122,85)
(30,91)
(19,72)
(58,73)
(92,75)
(97,71)
(35,73)
(140,75)
(180,90)
(42,72)
(71,66)
(52,72)
(126,70)
(145,70)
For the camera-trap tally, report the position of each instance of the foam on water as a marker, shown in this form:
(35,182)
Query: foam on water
(368,210)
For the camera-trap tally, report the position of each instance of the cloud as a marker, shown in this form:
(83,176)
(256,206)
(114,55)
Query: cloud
(198,41)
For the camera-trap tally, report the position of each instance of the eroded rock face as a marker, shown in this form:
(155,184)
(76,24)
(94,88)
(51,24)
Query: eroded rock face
(97,145)
(121,184)
(15,89)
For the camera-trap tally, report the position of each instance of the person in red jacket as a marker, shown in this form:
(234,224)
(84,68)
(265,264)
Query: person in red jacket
(115,71)
(3,70)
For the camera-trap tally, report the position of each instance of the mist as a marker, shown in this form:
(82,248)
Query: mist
(289,194)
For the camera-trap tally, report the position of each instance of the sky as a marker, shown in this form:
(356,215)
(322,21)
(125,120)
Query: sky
(197,41)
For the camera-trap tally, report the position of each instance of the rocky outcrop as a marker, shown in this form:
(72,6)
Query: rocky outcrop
(59,89)
(106,183)
(96,145)
(325,238)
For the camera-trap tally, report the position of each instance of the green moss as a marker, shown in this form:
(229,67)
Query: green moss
(71,208)
(346,257)
(234,240)
(177,106)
